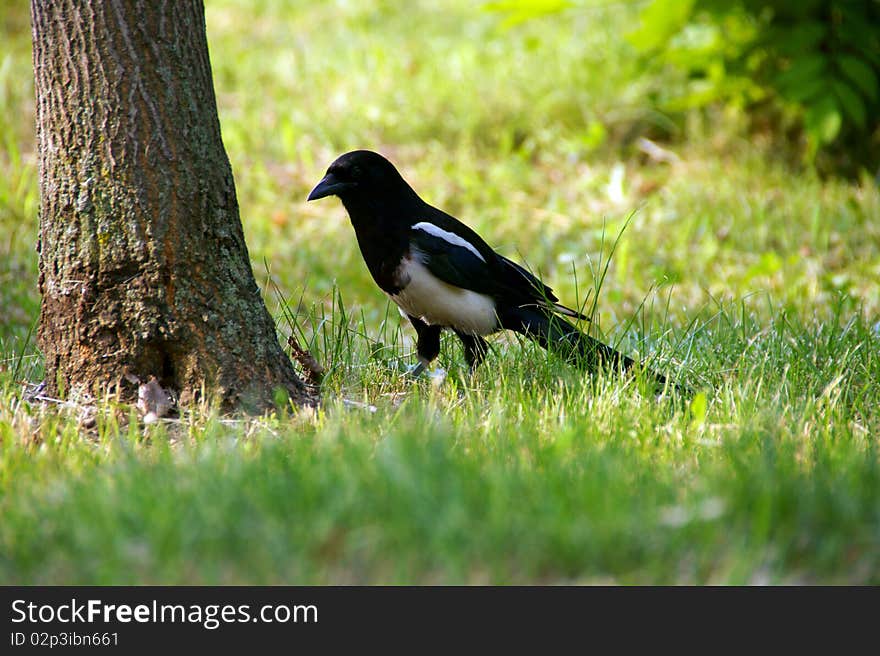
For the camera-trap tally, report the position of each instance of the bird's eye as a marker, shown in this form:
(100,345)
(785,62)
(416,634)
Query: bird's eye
(355,171)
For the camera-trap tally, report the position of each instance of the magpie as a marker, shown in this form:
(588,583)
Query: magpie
(441,274)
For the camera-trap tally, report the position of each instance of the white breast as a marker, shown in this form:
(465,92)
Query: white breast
(437,303)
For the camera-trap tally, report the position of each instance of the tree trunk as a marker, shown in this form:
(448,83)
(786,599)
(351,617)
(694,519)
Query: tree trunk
(143,265)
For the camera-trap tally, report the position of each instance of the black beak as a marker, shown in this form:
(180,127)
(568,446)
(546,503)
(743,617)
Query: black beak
(329,186)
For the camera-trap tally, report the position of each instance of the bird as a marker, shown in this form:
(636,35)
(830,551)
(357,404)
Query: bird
(443,275)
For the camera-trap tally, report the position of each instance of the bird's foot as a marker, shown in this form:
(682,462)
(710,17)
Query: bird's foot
(435,376)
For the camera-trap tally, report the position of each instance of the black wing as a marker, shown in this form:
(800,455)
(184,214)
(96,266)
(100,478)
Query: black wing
(452,259)
(541,294)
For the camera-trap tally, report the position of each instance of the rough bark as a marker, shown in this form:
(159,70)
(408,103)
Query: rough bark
(143,266)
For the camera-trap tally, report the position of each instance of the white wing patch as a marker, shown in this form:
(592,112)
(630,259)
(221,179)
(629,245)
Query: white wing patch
(449,237)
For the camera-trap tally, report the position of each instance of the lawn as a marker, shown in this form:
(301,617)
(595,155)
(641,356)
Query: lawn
(730,266)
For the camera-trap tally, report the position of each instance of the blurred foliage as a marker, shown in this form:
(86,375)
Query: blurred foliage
(811,65)
(807,70)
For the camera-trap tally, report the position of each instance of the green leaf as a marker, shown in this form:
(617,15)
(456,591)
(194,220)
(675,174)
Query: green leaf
(852,104)
(594,135)
(698,407)
(767,265)
(533,8)
(861,74)
(802,74)
(520,11)
(793,40)
(823,120)
(860,35)
(807,90)
(660,21)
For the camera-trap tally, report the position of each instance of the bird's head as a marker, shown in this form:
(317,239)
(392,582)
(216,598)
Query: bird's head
(356,174)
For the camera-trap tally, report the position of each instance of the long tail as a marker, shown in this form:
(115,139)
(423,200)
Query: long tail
(555,333)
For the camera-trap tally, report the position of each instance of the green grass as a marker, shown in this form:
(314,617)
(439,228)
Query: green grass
(754,282)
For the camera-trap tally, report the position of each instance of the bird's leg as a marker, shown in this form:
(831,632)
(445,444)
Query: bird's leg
(427,345)
(475,348)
